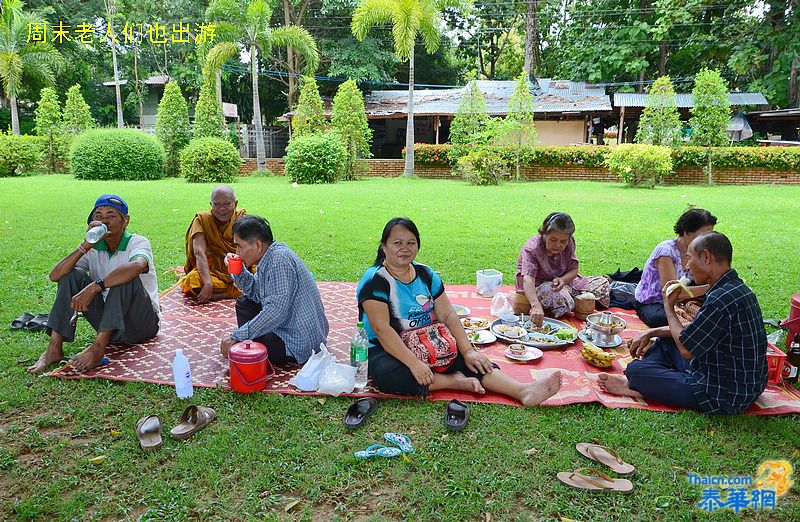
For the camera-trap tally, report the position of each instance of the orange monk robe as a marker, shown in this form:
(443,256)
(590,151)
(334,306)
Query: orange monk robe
(219,241)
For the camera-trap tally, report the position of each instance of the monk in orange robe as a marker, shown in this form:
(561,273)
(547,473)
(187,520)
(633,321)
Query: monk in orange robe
(208,239)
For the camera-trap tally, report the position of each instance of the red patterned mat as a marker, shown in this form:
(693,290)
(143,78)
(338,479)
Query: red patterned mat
(198,330)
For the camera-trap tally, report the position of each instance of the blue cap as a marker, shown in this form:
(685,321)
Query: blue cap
(109,200)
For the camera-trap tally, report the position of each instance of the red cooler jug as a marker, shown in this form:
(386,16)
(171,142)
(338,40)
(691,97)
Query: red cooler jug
(792,323)
(250,368)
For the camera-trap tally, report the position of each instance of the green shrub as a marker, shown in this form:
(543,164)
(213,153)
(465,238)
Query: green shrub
(172,127)
(19,154)
(316,158)
(435,155)
(208,159)
(116,154)
(640,164)
(773,158)
(484,167)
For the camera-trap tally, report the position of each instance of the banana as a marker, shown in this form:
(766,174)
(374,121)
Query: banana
(597,356)
(684,281)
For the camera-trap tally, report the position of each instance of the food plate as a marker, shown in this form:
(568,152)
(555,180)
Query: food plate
(586,336)
(507,331)
(481,337)
(461,311)
(530,355)
(534,338)
(475,323)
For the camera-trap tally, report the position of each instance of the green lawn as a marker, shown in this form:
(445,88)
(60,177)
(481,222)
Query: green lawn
(266,451)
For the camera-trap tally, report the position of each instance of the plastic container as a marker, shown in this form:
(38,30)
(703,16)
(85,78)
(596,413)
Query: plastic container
(775,361)
(95,234)
(488,281)
(182,374)
(359,356)
(250,367)
(792,323)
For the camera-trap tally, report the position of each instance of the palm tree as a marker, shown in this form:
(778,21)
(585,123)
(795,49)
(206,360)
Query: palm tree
(19,59)
(409,19)
(255,35)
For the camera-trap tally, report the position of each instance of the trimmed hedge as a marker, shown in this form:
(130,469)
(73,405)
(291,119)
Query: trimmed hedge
(19,154)
(640,164)
(316,158)
(209,159)
(126,154)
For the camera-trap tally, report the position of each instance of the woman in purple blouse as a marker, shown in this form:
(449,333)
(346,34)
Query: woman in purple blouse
(668,263)
(547,272)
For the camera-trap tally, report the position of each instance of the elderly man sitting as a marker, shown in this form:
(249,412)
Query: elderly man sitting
(208,239)
(717,363)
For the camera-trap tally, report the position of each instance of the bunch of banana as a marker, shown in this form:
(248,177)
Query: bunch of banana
(597,357)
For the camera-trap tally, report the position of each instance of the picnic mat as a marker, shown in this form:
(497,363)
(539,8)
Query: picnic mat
(198,329)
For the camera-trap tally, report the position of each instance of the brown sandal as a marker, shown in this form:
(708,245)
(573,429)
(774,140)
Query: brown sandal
(600,483)
(148,431)
(606,456)
(193,419)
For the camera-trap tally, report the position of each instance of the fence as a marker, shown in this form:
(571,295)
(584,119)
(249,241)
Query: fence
(275,141)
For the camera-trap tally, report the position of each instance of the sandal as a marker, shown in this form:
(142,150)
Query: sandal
(20,322)
(456,416)
(148,431)
(193,419)
(401,441)
(357,413)
(378,450)
(37,323)
(606,456)
(600,483)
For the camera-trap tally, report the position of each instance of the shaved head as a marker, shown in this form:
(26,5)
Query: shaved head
(223,203)
(223,190)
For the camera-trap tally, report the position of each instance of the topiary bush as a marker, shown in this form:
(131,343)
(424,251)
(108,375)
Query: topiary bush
(640,164)
(484,167)
(316,158)
(19,154)
(207,160)
(116,154)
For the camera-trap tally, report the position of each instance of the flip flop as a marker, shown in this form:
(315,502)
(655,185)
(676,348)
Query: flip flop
(193,419)
(38,323)
(356,415)
(20,322)
(599,483)
(378,450)
(148,431)
(456,416)
(401,441)
(606,456)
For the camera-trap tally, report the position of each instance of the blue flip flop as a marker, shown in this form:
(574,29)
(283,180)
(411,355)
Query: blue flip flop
(401,441)
(378,450)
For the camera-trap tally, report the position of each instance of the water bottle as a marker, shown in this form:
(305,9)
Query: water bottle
(183,375)
(95,234)
(359,356)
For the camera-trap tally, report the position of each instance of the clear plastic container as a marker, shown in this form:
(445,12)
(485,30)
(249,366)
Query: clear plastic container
(489,281)
(359,356)
(95,234)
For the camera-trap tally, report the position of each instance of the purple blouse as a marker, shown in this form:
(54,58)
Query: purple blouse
(533,261)
(649,288)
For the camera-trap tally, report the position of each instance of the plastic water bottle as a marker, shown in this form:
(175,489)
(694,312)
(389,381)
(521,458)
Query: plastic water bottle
(359,356)
(95,234)
(183,375)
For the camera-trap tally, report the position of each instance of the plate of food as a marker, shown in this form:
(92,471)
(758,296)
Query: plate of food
(461,311)
(550,335)
(475,323)
(481,337)
(522,353)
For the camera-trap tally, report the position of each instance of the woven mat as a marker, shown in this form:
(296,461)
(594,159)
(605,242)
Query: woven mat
(198,329)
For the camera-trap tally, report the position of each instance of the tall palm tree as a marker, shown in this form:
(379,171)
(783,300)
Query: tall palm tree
(255,35)
(409,19)
(19,59)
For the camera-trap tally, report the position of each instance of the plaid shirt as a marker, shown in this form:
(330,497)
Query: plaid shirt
(729,344)
(291,306)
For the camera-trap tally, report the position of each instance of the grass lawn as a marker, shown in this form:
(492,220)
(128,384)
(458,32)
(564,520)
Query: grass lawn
(266,451)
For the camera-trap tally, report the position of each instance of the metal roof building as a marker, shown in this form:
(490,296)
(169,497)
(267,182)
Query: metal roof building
(684,101)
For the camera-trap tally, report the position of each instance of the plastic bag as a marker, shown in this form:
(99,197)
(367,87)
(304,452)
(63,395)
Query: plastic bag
(307,379)
(337,379)
(502,304)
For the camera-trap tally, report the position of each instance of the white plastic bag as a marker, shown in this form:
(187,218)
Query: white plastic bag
(337,379)
(307,379)
(502,304)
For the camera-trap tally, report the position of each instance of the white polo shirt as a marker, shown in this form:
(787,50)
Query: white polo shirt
(99,262)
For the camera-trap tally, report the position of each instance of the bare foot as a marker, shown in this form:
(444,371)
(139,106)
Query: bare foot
(88,359)
(50,356)
(541,390)
(458,381)
(616,385)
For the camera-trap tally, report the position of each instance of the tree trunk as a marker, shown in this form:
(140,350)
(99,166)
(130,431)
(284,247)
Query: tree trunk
(138,87)
(409,165)
(662,58)
(531,40)
(290,61)
(261,159)
(794,84)
(14,116)
(218,81)
(117,90)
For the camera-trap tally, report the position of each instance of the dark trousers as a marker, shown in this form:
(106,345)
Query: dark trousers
(390,375)
(127,310)
(652,314)
(662,375)
(246,310)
